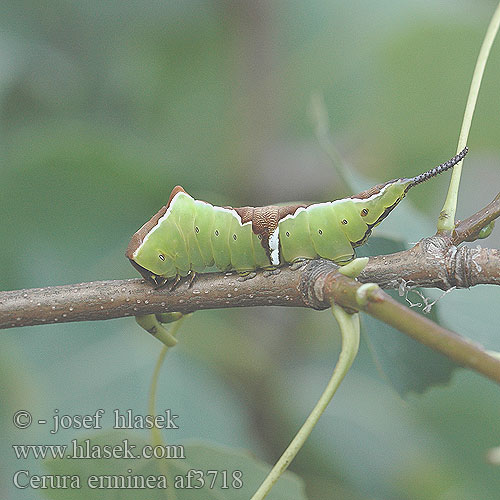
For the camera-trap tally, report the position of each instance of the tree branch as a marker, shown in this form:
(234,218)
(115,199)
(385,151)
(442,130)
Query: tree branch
(433,262)
(100,300)
(471,226)
(436,262)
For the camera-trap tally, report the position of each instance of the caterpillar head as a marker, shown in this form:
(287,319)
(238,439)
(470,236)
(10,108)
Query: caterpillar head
(145,248)
(152,263)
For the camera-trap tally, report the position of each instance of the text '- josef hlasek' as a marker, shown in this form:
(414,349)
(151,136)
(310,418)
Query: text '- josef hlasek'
(121,420)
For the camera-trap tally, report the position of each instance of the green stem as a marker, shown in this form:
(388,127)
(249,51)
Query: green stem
(152,325)
(156,436)
(446,221)
(349,329)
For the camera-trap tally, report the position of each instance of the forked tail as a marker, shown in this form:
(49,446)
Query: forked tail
(439,169)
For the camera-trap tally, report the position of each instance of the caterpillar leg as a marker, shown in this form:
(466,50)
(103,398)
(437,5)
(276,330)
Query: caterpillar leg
(247,275)
(159,281)
(273,271)
(175,282)
(297,264)
(192,277)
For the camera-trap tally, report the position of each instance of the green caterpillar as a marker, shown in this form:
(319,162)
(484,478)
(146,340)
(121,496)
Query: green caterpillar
(187,236)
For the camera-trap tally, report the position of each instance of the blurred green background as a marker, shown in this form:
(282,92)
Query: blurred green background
(105,106)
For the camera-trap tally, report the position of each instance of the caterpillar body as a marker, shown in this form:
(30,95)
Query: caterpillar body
(187,236)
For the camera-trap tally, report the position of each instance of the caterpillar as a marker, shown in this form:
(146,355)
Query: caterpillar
(187,236)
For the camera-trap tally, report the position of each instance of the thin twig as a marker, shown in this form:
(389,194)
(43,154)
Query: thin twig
(471,226)
(446,221)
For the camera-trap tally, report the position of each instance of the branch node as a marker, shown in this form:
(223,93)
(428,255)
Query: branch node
(365,293)
(312,283)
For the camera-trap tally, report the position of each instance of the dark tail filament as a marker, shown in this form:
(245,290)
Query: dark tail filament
(439,169)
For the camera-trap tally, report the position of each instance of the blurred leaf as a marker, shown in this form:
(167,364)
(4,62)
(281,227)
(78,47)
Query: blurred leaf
(406,363)
(198,457)
(472,313)
(409,365)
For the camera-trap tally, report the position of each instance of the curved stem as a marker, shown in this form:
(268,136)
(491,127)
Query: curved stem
(156,436)
(349,329)
(151,324)
(446,221)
